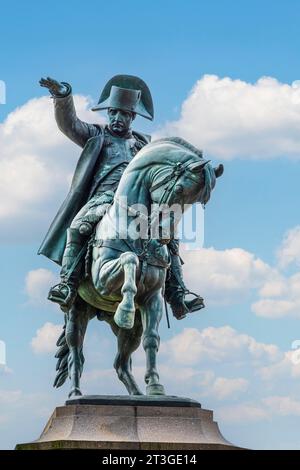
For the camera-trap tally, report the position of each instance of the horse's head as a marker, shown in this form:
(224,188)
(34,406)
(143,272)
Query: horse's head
(183,179)
(167,176)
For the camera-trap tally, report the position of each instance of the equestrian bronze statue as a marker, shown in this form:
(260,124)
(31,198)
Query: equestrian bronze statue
(115,234)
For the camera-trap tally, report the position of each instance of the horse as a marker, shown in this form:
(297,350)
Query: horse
(128,272)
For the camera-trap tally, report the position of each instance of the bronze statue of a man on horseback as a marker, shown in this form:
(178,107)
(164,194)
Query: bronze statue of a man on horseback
(121,279)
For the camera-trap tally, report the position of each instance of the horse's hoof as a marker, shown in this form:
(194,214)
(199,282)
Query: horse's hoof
(155,389)
(75,392)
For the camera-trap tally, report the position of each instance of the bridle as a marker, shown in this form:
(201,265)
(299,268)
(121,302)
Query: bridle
(170,181)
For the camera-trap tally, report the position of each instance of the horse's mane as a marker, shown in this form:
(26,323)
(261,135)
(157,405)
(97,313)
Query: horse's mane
(183,143)
(166,150)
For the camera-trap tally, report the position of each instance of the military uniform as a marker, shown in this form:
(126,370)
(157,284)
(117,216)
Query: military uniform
(114,157)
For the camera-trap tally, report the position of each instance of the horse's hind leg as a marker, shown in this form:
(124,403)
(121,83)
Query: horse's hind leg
(77,320)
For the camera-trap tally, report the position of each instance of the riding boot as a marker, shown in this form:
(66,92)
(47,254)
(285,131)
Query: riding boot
(175,289)
(65,292)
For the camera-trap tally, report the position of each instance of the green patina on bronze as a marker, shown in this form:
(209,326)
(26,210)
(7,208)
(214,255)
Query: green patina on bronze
(122,283)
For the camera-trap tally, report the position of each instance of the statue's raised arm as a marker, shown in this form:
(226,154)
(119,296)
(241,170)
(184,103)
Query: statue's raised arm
(65,114)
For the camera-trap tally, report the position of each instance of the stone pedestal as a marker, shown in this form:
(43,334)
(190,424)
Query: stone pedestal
(128,423)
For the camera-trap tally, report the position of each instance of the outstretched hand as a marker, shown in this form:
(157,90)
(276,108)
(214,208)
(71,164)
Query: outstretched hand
(53,86)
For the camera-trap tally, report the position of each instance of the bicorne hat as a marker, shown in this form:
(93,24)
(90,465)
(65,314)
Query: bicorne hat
(128,93)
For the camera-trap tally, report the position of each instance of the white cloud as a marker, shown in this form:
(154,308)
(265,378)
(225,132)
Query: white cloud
(224,387)
(192,346)
(198,382)
(287,367)
(289,251)
(38,283)
(36,164)
(45,339)
(266,408)
(282,405)
(270,308)
(273,288)
(229,276)
(224,276)
(232,118)
(207,364)
(280,298)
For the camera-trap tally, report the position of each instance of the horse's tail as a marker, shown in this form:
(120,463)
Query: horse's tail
(62,355)
(64,358)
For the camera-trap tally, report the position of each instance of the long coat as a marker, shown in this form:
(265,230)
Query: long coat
(90,137)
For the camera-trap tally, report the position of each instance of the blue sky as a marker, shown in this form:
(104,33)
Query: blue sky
(172,46)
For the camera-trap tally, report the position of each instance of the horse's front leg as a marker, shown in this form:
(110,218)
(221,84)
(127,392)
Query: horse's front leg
(125,313)
(151,313)
(77,320)
(120,275)
(128,342)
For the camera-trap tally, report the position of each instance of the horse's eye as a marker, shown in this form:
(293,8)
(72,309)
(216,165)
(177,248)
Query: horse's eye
(178,188)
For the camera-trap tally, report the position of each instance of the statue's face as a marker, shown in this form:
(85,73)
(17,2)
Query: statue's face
(119,120)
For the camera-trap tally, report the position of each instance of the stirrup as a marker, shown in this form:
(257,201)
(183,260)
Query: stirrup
(195,304)
(189,306)
(57,295)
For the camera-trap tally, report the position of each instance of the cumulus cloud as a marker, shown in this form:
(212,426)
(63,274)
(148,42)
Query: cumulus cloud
(279,295)
(225,276)
(287,367)
(230,276)
(208,365)
(198,382)
(224,387)
(193,346)
(282,405)
(201,357)
(289,252)
(273,288)
(280,298)
(45,338)
(270,308)
(38,283)
(265,408)
(210,362)
(36,165)
(232,118)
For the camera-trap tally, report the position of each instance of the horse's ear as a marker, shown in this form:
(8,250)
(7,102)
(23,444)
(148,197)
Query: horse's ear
(219,170)
(197,167)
